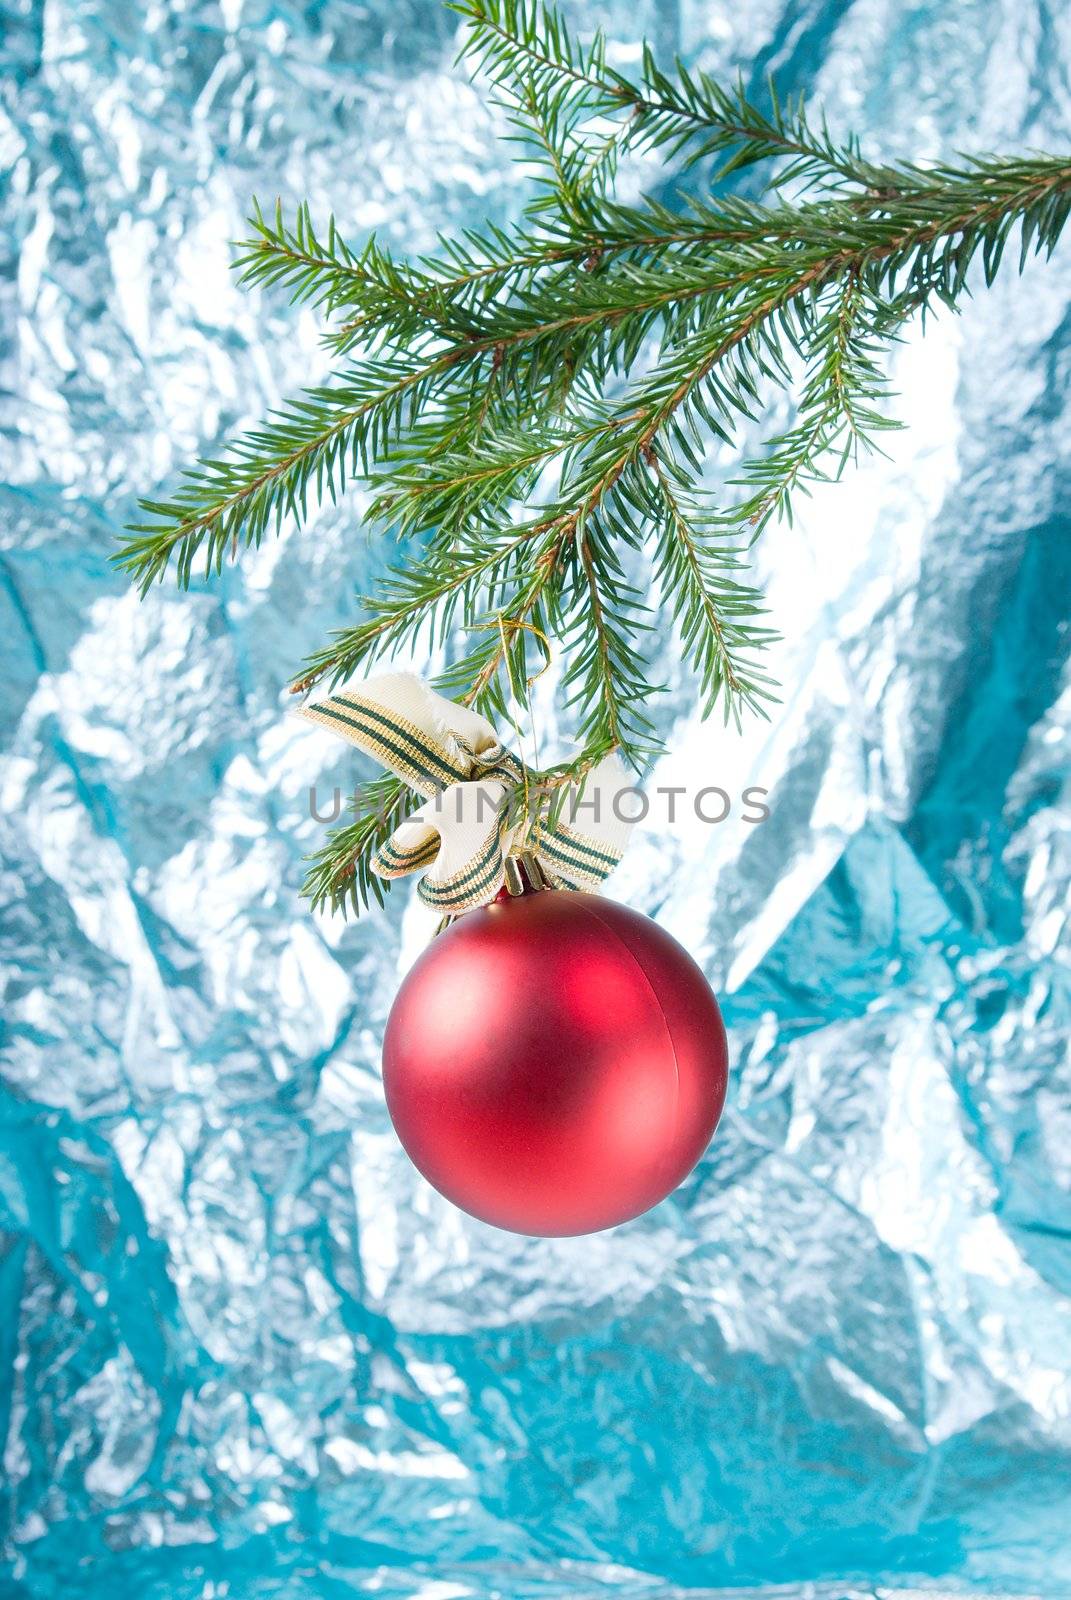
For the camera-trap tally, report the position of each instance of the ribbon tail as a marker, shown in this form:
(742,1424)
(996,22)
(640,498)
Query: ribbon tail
(588,839)
(412,845)
(423,738)
(462,836)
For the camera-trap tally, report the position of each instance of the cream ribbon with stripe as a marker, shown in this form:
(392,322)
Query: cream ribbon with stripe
(470,821)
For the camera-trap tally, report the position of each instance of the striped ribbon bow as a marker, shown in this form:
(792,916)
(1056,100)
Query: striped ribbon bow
(468,826)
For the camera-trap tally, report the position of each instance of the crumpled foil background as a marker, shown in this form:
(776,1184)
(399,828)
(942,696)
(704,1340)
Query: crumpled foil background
(244,1350)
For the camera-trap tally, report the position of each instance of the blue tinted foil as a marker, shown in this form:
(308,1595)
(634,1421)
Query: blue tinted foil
(244,1350)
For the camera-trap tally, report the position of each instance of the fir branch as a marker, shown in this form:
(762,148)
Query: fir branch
(399,299)
(837,413)
(605,679)
(340,876)
(525,41)
(716,615)
(533,407)
(530,606)
(323,274)
(425,595)
(315,443)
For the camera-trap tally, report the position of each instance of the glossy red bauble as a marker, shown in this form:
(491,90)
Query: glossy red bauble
(555,1063)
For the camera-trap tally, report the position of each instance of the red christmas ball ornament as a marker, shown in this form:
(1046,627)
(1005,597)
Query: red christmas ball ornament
(555,1063)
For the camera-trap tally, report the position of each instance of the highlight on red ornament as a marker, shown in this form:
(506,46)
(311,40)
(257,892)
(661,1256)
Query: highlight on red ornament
(555,1063)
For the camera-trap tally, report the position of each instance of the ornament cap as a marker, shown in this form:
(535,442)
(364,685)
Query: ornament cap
(526,874)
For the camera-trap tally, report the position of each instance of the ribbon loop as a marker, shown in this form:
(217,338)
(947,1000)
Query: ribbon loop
(461,836)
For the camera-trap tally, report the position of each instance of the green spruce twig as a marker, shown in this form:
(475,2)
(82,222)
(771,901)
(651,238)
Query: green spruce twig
(533,406)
